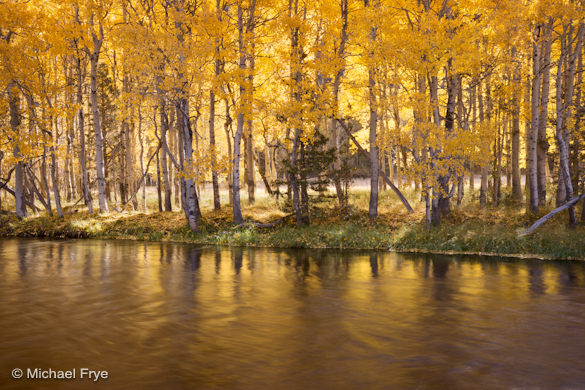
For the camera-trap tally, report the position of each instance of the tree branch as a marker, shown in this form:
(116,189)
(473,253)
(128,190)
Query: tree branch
(384,176)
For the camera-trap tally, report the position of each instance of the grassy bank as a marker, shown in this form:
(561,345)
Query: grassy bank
(467,230)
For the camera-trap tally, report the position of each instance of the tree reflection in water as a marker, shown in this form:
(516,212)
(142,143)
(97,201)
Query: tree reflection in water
(162,315)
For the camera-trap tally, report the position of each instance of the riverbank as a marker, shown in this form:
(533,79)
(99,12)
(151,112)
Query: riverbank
(468,230)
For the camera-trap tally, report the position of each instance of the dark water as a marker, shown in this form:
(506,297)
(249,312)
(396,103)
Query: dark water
(171,316)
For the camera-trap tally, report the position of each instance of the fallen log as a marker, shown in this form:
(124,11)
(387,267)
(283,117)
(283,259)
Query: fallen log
(542,220)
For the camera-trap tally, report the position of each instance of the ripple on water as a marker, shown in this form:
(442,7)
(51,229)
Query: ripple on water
(161,315)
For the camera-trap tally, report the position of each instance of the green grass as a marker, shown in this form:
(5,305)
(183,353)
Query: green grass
(468,229)
(475,237)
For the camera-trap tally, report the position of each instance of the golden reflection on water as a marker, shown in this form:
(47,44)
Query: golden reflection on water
(159,315)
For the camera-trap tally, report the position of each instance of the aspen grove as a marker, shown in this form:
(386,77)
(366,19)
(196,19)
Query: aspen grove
(102,100)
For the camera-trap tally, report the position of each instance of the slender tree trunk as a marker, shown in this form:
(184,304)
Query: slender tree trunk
(164,128)
(293,179)
(374,167)
(563,107)
(577,143)
(453,86)
(268,165)
(561,188)
(440,201)
(69,174)
(578,124)
(406,180)
(227,128)
(303,183)
(55,183)
(460,190)
(142,172)
(188,192)
(533,135)
(383,161)
(99,143)
(335,134)
(473,103)
(82,149)
(175,145)
(158,189)
(180,173)
(190,196)
(484,170)
(389,165)
(54,170)
(250,180)
(249,157)
(542,142)
(296,98)
(236,204)
(463,123)
(516,178)
(498,175)
(196,171)
(129,159)
(123,180)
(15,121)
(214,178)
(398,167)
(428,219)
(434,95)
(45,181)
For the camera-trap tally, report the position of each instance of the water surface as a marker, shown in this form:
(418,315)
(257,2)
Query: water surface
(173,316)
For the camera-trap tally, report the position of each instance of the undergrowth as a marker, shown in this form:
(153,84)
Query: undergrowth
(467,229)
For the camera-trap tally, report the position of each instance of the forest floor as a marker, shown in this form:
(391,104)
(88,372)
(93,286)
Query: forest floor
(468,229)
